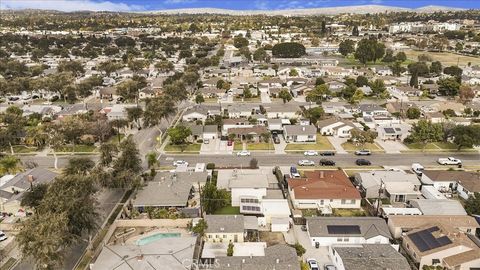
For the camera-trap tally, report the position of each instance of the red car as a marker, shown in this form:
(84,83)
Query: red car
(229,143)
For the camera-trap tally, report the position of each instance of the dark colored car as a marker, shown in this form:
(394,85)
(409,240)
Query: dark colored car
(276,140)
(327,153)
(229,143)
(327,162)
(363,162)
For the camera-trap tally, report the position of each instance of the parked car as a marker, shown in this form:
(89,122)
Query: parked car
(229,143)
(329,267)
(312,264)
(206,141)
(363,162)
(177,163)
(327,162)
(294,172)
(243,153)
(3,236)
(306,162)
(327,153)
(304,228)
(276,140)
(417,168)
(449,161)
(363,152)
(310,153)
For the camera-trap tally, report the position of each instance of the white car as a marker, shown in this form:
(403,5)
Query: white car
(310,153)
(449,161)
(3,236)
(363,152)
(243,153)
(312,264)
(306,162)
(177,163)
(417,168)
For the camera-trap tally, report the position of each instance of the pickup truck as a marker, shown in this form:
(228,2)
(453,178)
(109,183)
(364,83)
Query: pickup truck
(449,161)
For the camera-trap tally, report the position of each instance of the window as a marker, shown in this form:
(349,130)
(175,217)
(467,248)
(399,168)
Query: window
(346,239)
(224,236)
(352,201)
(435,261)
(321,202)
(209,236)
(339,239)
(344,201)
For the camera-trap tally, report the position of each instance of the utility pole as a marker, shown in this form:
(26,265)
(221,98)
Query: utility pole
(380,191)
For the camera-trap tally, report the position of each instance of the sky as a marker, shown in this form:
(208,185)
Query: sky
(144,5)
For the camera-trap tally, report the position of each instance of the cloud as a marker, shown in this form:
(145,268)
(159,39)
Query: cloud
(69,5)
(377,1)
(261,4)
(177,2)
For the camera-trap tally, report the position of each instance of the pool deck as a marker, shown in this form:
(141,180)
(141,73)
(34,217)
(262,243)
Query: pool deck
(133,239)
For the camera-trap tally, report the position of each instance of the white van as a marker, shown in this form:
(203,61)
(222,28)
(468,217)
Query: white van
(417,168)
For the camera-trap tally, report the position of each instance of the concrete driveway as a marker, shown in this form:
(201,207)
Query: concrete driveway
(391,147)
(337,144)
(280,148)
(265,98)
(320,254)
(210,148)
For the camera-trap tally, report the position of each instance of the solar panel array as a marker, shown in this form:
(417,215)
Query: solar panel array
(343,229)
(424,240)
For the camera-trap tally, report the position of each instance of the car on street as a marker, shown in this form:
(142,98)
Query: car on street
(327,162)
(177,163)
(3,236)
(312,264)
(243,153)
(329,267)
(449,161)
(294,172)
(310,153)
(363,162)
(306,162)
(327,153)
(363,152)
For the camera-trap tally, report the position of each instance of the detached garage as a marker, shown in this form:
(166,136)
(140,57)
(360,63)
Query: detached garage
(280,224)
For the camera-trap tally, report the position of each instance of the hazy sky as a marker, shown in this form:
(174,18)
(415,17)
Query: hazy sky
(138,5)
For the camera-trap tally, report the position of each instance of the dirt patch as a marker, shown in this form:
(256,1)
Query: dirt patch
(446,58)
(272,238)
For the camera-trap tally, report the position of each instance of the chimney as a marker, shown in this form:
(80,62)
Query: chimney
(30,178)
(140,257)
(322,174)
(243,260)
(303,128)
(277,260)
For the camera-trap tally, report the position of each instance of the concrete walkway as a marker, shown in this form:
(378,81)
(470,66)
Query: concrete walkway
(391,147)
(337,144)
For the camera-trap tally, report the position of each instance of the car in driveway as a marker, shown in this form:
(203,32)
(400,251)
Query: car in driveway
(177,163)
(327,153)
(363,162)
(329,267)
(294,172)
(276,140)
(206,141)
(449,161)
(3,236)
(363,152)
(229,143)
(306,162)
(243,153)
(312,264)
(327,162)
(310,153)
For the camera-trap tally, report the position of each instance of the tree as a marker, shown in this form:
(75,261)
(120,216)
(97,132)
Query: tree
(230,249)
(128,89)
(378,87)
(414,80)
(151,159)
(164,66)
(413,113)
(319,81)
(436,68)
(397,68)
(361,81)
(74,67)
(179,134)
(260,55)
(472,205)
(118,124)
(388,58)
(419,68)
(466,136)
(9,165)
(369,50)
(448,86)
(362,137)
(137,65)
(200,227)
(425,132)
(134,114)
(314,114)
(129,159)
(346,47)
(71,129)
(34,195)
(454,71)
(466,93)
(240,42)
(107,153)
(199,99)
(109,67)
(285,95)
(253,163)
(213,198)
(158,108)
(288,50)
(293,72)
(357,97)
(319,94)
(355,31)
(79,165)
(246,92)
(401,56)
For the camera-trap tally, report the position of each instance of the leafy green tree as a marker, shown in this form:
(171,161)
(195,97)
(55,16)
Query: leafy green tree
(357,97)
(413,113)
(362,137)
(285,95)
(109,67)
(230,249)
(246,92)
(472,205)
(314,114)
(466,136)
(436,68)
(369,50)
(418,68)
(240,42)
(401,56)
(397,68)
(134,114)
(199,99)
(319,94)
(346,47)
(74,67)
(288,50)
(129,159)
(10,165)
(454,71)
(179,134)
(319,81)
(260,55)
(213,198)
(466,93)
(158,108)
(151,159)
(33,196)
(200,227)
(425,132)
(79,165)
(107,153)
(378,87)
(361,81)
(355,31)
(448,86)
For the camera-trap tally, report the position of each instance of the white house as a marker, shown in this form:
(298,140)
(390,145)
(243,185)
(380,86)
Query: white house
(328,231)
(336,128)
(299,133)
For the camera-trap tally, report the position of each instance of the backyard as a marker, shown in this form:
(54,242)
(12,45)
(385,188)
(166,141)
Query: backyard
(228,210)
(322,144)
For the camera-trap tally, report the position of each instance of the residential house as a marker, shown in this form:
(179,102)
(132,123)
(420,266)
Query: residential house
(397,186)
(402,224)
(180,190)
(324,190)
(366,257)
(118,111)
(299,133)
(12,191)
(336,128)
(372,110)
(285,111)
(337,231)
(391,133)
(210,132)
(225,228)
(449,181)
(399,108)
(240,110)
(383,71)
(441,207)
(211,92)
(276,125)
(200,113)
(236,123)
(248,133)
(432,244)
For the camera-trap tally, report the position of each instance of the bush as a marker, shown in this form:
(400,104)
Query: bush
(211,166)
(299,249)
(288,50)
(253,163)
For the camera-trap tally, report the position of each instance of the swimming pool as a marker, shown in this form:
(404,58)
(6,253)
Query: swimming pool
(154,237)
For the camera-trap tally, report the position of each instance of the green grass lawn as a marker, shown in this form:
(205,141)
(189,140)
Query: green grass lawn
(193,147)
(78,148)
(253,99)
(238,146)
(436,146)
(349,212)
(228,210)
(114,139)
(348,146)
(21,149)
(322,144)
(211,100)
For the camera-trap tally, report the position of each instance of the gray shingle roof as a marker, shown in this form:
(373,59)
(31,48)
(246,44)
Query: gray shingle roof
(372,257)
(300,130)
(225,224)
(369,226)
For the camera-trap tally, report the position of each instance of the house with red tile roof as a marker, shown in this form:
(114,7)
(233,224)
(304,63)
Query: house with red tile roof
(323,190)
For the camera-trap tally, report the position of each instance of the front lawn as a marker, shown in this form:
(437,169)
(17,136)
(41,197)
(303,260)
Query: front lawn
(79,148)
(254,146)
(22,149)
(253,99)
(322,144)
(228,210)
(193,147)
(436,146)
(348,146)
